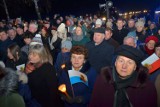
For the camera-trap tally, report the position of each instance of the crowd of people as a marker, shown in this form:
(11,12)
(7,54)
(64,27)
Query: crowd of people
(98,61)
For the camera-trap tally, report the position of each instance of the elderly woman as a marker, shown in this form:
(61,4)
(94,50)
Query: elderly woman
(125,84)
(42,78)
(80,89)
(79,38)
(148,47)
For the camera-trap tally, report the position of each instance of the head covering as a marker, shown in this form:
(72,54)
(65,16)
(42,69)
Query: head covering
(133,33)
(154,38)
(99,30)
(36,40)
(98,22)
(130,52)
(61,28)
(66,44)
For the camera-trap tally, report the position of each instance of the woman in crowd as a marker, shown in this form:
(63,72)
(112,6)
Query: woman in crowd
(148,47)
(9,97)
(79,38)
(125,84)
(79,91)
(15,56)
(42,78)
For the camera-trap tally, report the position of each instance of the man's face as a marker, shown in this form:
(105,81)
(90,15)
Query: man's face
(98,38)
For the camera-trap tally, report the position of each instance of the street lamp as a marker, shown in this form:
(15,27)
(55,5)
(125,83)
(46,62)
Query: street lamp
(106,6)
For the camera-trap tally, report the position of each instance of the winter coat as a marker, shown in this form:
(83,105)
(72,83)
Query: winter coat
(12,64)
(141,93)
(44,86)
(100,55)
(9,97)
(79,92)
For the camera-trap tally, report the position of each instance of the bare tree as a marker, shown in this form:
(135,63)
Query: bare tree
(6,9)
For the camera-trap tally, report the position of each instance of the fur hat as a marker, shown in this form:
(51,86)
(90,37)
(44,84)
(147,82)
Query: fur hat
(130,52)
(154,38)
(98,22)
(66,44)
(37,40)
(61,28)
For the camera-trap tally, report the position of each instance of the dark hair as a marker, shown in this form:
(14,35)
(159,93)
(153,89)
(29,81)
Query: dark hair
(15,51)
(28,34)
(79,50)
(157,44)
(3,30)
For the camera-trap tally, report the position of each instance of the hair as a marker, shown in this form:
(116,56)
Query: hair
(15,51)
(43,53)
(157,44)
(28,34)
(79,50)
(109,29)
(3,30)
(135,40)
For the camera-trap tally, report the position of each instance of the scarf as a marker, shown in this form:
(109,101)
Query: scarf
(121,98)
(149,52)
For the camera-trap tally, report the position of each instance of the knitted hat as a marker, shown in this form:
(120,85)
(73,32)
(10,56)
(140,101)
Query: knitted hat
(66,44)
(133,33)
(130,52)
(98,22)
(36,40)
(154,38)
(61,28)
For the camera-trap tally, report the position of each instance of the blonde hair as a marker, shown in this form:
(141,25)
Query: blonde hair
(43,53)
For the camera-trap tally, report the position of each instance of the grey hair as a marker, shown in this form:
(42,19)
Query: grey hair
(127,37)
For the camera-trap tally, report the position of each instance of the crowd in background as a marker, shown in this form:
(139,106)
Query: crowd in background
(51,47)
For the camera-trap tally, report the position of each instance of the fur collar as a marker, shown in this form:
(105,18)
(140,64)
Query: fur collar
(140,81)
(9,82)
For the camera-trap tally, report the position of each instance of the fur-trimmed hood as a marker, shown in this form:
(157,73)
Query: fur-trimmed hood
(8,83)
(142,76)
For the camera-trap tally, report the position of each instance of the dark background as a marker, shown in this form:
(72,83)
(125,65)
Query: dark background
(26,9)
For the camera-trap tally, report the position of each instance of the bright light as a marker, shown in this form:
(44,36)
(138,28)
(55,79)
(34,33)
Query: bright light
(120,14)
(125,14)
(104,18)
(157,12)
(145,11)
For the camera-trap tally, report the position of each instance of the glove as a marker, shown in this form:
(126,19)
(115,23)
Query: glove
(78,99)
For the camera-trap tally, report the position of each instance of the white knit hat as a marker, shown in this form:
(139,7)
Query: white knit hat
(37,40)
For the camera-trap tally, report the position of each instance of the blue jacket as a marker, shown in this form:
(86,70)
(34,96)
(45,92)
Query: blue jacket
(79,90)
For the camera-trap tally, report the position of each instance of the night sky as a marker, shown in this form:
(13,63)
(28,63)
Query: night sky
(18,8)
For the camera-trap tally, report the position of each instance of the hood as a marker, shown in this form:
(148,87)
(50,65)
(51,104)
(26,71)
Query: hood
(8,83)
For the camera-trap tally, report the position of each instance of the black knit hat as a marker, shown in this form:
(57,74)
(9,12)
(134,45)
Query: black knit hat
(130,52)
(99,30)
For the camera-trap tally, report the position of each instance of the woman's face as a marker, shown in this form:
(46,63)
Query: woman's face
(139,28)
(9,54)
(151,44)
(78,31)
(77,60)
(157,51)
(125,66)
(34,58)
(43,32)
